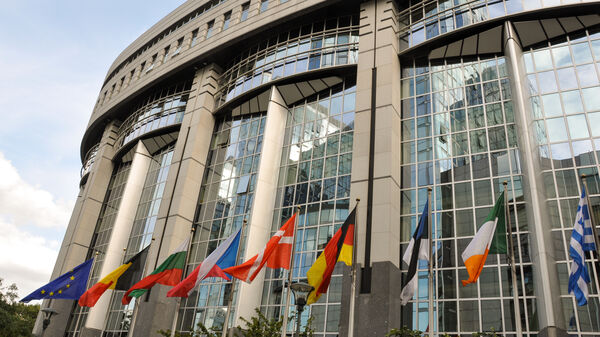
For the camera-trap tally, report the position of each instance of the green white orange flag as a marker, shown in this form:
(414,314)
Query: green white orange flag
(490,238)
(168,273)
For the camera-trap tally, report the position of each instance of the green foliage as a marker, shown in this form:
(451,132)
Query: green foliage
(404,332)
(257,326)
(16,319)
(491,333)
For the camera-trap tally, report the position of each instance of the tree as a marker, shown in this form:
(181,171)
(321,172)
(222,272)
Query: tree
(16,319)
(404,332)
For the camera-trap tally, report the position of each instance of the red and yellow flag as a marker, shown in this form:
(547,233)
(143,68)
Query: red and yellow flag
(339,248)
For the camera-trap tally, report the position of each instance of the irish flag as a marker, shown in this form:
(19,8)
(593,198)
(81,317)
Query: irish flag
(168,273)
(490,238)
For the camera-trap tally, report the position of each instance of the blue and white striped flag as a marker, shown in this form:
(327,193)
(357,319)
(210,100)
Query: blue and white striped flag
(582,240)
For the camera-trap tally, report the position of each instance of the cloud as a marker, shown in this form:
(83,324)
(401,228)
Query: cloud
(25,259)
(22,204)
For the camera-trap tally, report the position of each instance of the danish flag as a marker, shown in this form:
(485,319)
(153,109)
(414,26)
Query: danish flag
(277,254)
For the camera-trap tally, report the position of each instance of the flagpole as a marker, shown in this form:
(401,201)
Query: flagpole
(187,258)
(430,232)
(137,300)
(87,284)
(353,272)
(587,199)
(230,297)
(513,267)
(289,281)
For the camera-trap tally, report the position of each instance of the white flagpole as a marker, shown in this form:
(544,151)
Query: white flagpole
(289,281)
(187,258)
(137,300)
(233,281)
(77,330)
(353,273)
(431,259)
(513,267)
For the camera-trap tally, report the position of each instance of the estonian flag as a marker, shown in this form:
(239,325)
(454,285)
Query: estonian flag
(68,286)
(339,249)
(418,249)
(122,278)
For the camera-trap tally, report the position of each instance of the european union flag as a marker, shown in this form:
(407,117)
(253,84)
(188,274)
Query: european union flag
(69,286)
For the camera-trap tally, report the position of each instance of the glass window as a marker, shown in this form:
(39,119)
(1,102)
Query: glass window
(194,38)
(572,102)
(578,126)
(591,98)
(567,79)
(547,82)
(557,130)
(587,75)
(264,5)
(543,60)
(209,28)
(581,53)
(552,107)
(562,56)
(245,10)
(226,20)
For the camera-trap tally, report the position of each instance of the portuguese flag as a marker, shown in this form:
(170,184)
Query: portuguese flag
(168,273)
(490,238)
(338,249)
(125,275)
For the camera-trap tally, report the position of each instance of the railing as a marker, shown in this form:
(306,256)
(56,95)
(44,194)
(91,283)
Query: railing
(89,159)
(158,114)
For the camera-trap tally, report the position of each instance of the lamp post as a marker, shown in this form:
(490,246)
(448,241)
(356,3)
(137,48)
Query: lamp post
(301,291)
(48,312)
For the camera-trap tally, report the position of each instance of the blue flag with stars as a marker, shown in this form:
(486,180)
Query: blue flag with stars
(68,286)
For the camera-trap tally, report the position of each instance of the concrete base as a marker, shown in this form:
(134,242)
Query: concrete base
(156,314)
(90,332)
(552,331)
(58,322)
(377,312)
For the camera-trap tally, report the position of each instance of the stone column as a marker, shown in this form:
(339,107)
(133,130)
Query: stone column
(81,227)
(545,275)
(376,167)
(119,236)
(259,224)
(176,213)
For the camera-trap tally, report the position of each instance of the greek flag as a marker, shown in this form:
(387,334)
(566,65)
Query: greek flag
(582,240)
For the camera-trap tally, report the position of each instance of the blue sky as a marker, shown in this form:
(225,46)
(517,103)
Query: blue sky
(54,56)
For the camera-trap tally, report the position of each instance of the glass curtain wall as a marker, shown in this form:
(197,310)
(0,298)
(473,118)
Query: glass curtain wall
(458,137)
(108,213)
(564,83)
(119,316)
(226,198)
(315,175)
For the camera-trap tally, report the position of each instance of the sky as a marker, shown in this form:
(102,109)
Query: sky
(54,56)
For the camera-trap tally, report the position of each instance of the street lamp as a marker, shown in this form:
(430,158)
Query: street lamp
(301,291)
(48,312)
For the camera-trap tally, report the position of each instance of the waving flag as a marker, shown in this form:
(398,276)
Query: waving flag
(490,238)
(276,254)
(68,286)
(582,239)
(338,249)
(168,273)
(418,249)
(222,257)
(130,270)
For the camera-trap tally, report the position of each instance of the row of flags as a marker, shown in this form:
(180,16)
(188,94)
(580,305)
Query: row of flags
(491,238)
(220,263)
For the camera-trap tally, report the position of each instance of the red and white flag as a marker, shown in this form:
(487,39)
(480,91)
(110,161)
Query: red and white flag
(276,254)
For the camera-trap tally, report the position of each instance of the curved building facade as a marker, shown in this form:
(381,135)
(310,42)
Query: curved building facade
(233,110)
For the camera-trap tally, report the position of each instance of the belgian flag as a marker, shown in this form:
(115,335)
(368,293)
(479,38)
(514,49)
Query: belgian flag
(339,248)
(121,278)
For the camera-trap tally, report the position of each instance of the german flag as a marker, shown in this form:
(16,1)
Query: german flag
(339,248)
(120,279)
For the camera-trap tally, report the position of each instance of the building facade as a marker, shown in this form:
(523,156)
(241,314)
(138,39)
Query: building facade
(233,110)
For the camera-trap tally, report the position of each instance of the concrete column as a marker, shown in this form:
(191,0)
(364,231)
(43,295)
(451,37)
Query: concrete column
(81,227)
(119,236)
(376,167)
(545,275)
(259,229)
(176,213)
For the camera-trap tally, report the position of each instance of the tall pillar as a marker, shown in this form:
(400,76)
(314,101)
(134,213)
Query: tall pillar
(545,276)
(259,229)
(376,167)
(176,213)
(80,230)
(119,237)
